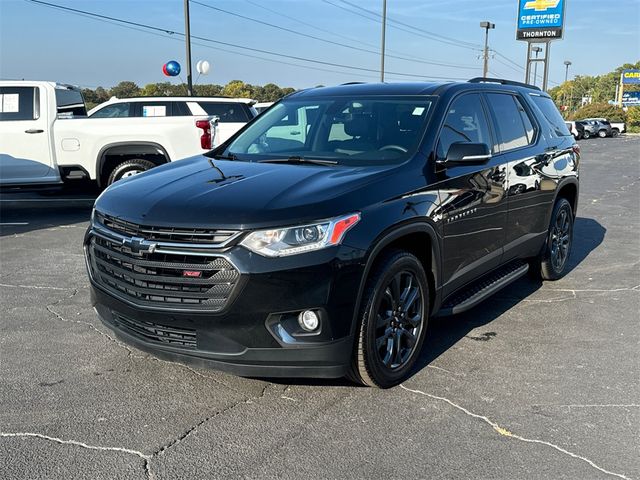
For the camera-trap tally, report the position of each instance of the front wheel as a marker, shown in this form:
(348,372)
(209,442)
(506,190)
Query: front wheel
(553,261)
(392,321)
(129,168)
(602,133)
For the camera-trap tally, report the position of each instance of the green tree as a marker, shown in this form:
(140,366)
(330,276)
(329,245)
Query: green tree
(209,90)
(612,113)
(633,119)
(126,89)
(237,88)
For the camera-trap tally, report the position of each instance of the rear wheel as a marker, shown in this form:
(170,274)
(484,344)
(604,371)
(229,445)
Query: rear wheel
(586,135)
(393,321)
(553,261)
(615,132)
(129,168)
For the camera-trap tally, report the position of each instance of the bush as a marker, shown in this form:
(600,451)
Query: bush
(601,110)
(633,120)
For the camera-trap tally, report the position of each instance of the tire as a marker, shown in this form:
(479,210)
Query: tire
(129,168)
(586,135)
(393,319)
(602,133)
(552,262)
(615,132)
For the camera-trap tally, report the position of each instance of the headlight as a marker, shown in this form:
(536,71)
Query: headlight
(279,242)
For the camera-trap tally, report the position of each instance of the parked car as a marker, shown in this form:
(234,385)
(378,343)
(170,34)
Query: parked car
(589,129)
(320,239)
(601,129)
(47,138)
(576,129)
(232,113)
(616,127)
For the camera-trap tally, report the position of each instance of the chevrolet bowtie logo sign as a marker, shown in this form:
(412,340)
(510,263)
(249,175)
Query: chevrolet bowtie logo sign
(139,245)
(541,5)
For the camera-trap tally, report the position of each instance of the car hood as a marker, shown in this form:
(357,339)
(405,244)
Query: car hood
(232,194)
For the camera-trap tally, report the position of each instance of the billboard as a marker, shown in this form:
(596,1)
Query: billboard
(630,76)
(631,99)
(540,20)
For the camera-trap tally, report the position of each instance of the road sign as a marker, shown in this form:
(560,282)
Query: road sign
(540,20)
(630,76)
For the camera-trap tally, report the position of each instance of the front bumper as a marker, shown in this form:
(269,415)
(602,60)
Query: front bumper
(245,337)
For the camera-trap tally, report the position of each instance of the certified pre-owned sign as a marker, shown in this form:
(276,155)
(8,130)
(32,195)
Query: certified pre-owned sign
(540,20)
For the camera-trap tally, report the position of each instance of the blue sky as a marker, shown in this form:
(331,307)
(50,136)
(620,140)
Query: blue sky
(38,42)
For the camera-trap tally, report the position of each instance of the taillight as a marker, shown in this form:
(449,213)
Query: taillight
(205,138)
(576,150)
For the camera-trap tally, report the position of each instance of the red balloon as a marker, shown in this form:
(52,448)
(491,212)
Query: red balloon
(164,70)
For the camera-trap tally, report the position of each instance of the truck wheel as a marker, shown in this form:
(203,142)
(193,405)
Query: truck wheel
(392,321)
(552,262)
(586,135)
(615,132)
(129,168)
(602,133)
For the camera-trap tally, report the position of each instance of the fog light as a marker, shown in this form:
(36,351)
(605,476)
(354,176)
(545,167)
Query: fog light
(309,320)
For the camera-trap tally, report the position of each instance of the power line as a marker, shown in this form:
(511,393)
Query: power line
(242,47)
(331,42)
(376,17)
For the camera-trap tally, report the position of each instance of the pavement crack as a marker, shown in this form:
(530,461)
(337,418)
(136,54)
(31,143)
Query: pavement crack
(504,432)
(76,443)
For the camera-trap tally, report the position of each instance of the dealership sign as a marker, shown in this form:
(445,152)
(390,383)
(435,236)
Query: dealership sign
(630,76)
(540,20)
(631,99)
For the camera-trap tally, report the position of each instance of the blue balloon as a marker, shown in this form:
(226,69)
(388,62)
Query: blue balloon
(173,68)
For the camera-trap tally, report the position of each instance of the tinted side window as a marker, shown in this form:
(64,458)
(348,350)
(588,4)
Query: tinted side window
(180,109)
(19,103)
(552,115)
(70,103)
(465,122)
(228,112)
(526,119)
(117,110)
(511,129)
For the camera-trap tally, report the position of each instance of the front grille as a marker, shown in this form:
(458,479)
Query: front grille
(167,234)
(178,280)
(174,336)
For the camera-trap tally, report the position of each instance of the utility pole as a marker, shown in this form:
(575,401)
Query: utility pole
(536,50)
(187,34)
(384,31)
(487,26)
(567,63)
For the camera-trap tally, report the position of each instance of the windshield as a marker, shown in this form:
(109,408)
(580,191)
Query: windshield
(347,131)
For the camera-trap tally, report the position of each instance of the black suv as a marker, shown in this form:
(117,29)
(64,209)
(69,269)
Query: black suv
(320,239)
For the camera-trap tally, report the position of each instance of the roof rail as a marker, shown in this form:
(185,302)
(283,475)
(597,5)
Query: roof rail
(502,81)
(352,83)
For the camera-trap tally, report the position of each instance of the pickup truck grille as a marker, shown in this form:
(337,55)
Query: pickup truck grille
(167,234)
(176,280)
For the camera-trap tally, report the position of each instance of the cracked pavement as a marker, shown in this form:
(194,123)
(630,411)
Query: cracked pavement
(540,381)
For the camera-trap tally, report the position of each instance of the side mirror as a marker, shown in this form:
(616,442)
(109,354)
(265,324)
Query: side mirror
(468,153)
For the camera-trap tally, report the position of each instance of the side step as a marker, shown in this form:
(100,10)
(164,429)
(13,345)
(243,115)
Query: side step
(483,288)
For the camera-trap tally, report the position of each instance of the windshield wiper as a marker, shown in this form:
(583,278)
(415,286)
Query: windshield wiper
(231,156)
(299,159)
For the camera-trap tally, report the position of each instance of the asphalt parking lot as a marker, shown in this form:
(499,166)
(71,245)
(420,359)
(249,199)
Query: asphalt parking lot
(541,381)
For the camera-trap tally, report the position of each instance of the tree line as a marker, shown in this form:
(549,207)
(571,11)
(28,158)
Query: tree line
(235,88)
(597,91)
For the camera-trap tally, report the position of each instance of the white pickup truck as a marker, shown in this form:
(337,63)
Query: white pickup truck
(46,136)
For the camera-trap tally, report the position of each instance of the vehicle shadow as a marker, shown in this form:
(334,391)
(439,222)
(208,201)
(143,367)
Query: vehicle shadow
(445,332)
(23,211)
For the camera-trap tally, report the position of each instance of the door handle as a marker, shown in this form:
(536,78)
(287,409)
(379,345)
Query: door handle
(295,132)
(34,130)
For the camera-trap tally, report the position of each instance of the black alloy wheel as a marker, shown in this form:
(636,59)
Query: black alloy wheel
(393,321)
(552,263)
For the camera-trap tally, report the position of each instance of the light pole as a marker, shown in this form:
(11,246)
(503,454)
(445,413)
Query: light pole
(487,26)
(567,63)
(187,34)
(537,50)
(384,28)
